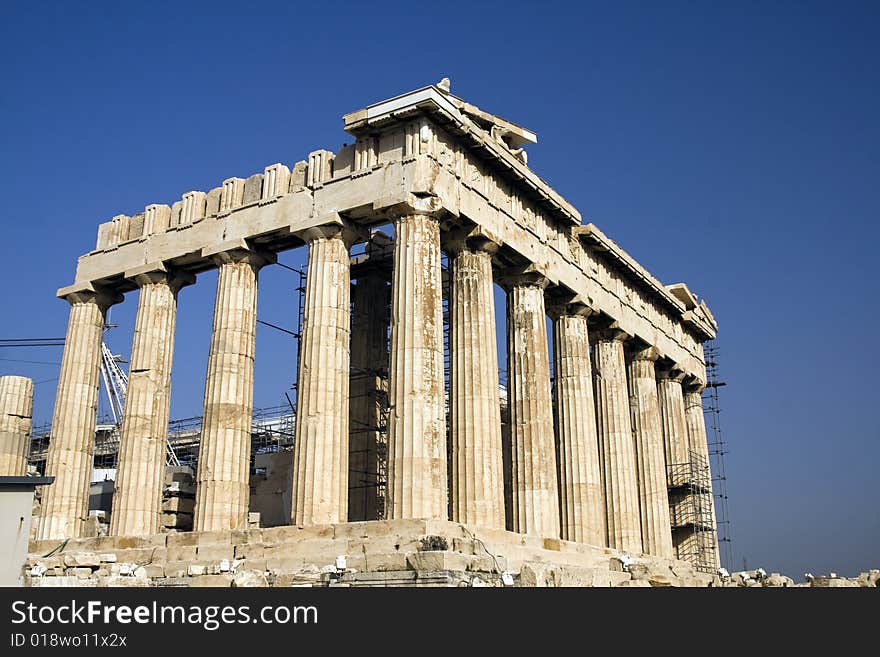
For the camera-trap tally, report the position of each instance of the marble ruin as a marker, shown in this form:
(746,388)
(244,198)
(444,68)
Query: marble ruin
(602,448)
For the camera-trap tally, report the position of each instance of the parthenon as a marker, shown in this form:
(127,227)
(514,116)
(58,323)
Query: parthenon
(602,441)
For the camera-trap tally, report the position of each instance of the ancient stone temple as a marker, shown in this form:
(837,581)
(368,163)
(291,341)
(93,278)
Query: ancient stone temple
(592,447)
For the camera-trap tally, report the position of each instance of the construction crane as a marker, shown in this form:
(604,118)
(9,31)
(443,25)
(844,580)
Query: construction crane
(116,386)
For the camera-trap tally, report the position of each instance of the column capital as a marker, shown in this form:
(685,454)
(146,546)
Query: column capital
(333,225)
(611,333)
(158,272)
(235,251)
(90,293)
(570,304)
(473,238)
(641,352)
(530,275)
(694,384)
(667,370)
(431,206)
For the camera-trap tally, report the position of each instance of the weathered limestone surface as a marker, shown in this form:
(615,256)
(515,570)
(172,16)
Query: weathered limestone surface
(369,360)
(376,553)
(698,442)
(417,434)
(581,495)
(616,441)
(16,409)
(477,495)
(648,433)
(224,454)
(320,471)
(535,502)
(137,500)
(65,503)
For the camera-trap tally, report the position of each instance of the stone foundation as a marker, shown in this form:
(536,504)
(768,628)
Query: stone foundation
(371,553)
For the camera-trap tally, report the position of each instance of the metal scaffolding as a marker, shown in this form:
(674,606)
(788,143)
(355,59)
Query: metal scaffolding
(717,450)
(690,509)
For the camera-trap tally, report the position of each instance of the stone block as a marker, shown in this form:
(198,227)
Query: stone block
(384,562)
(150,570)
(284,565)
(617,579)
(179,521)
(249,550)
(552,544)
(261,565)
(382,544)
(196,569)
(253,189)
(439,560)
(82,559)
(485,563)
(178,505)
(242,536)
(214,552)
(249,579)
(321,550)
(123,581)
(216,581)
(212,201)
(79,572)
(663,580)
(183,553)
(176,568)
(141,556)
(295,533)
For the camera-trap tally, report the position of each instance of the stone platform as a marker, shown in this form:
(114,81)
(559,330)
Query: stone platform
(372,553)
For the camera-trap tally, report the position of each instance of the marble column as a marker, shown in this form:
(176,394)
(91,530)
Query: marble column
(675,437)
(140,474)
(320,465)
(222,479)
(16,409)
(369,361)
(616,441)
(65,505)
(699,444)
(534,492)
(477,495)
(675,440)
(417,486)
(581,497)
(650,456)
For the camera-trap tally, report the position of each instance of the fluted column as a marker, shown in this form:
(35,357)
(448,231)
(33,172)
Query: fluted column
(581,497)
(417,433)
(320,466)
(675,436)
(224,452)
(616,442)
(477,495)
(534,492)
(16,409)
(650,456)
(65,504)
(137,500)
(678,461)
(698,442)
(369,360)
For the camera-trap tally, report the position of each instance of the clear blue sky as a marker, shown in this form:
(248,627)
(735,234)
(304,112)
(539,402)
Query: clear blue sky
(732,146)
